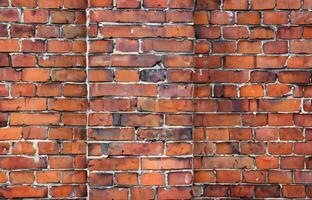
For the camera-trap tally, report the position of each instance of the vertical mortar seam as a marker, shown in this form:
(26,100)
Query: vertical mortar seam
(88,95)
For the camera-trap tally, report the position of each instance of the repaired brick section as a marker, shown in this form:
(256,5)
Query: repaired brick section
(172,99)
(135,90)
(250,129)
(43,81)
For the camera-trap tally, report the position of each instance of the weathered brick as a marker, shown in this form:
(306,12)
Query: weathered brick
(142,99)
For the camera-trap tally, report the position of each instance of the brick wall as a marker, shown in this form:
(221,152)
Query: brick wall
(140,121)
(43,99)
(145,99)
(252,106)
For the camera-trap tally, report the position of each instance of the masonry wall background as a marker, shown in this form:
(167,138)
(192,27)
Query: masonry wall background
(43,104)
(252,135)
(145,99)
(140,65)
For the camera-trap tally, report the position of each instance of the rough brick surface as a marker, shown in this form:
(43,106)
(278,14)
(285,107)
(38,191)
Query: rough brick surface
(140,120)
(250,130)
(43,75)
(155,99)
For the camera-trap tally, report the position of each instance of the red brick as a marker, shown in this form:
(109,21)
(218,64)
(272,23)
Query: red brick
(101,3)
(50,4)
(35,75)
(181,4)
(293,191)
(203,177)
(35,16)
(267,191)
(62,61)
(111,164)
(275,17)
(292,162)
(228,176)
(180,193)
(262,33)
(47,177)
(278,90)
(223,47)
(294,77)
(235,5)
(67,105)
(307,4)
(300,47)
(128,4)
(24,3)
(127,16)
(9,15)
(24,192)
(113,193)
(179,16)
(242,191)
(126,45)
(179,149)
(289,105)
(33,46)
(209,32)
(22,177)
(216,191)
(299,62)
(164,105)
(166,163)
(126,75)
(100,179)
(34,119)
(61,191)
(74,177)
(248,18)
(9,45)
(47,31)
(23,60)
(262,4)
(300,18)
(275,47)
(123,90)
(64,162)
(280,119)
(252,148)
(280,177)
(167,45)
(249,47)
(221,18)
(267,162)
(290,134)
(207,4)
(280,148)
(251,91)
(288,4)
(19,162)
(22,31)
(216,120)
(235,32)
(152,178)
(82,4)
(126,179)
(100,46)
(135,149)
(49,90)
(142,193)
(255,176)
(227,162)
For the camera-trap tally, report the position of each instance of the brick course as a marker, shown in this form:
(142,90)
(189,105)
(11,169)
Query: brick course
(145,99)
